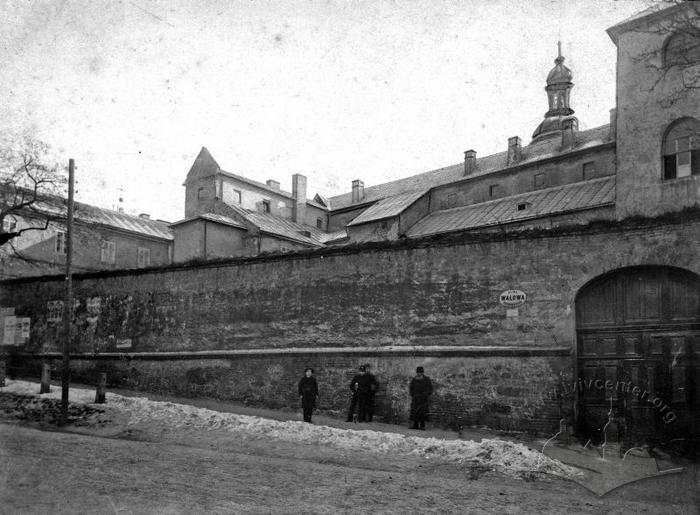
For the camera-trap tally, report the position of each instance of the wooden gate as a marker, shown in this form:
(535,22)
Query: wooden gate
(638,348)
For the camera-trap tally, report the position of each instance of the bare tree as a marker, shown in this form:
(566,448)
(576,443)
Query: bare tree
(680,54)
(26,181)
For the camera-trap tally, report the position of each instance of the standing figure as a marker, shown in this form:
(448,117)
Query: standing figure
(308,391)
(420,391)
(361,388)
(373,386)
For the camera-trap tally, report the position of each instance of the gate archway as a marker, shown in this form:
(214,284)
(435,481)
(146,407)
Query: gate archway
(638,355)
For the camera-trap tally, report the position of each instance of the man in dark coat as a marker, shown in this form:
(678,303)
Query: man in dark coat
(308,391)
(420,390)
(361,387)
(374,385)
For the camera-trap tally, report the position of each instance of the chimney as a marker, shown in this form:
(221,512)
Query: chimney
(273,184)
(145,216)
(358,190)
(515,150)
(613,123)
(469,162)
(568,135)
(299,194)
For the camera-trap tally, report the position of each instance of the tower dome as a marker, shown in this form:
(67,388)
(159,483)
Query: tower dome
(558,89)
(560,74)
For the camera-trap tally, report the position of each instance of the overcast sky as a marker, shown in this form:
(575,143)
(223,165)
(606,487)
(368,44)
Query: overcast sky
(373,90)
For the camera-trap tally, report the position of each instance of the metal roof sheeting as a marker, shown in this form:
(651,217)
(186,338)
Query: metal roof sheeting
(278,226)
(561,199)
(484,165)
(95,215)
(213,217)
(388,207)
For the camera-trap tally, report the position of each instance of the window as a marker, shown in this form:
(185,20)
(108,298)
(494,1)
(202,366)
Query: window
(522,206)
(265,206)
(588,170)
(494,190)
(61,243)
(201,193)
(540,180)
(237,196)
(682,49)
(143,257)
(451,200)
(9,225)
(109,252)
(681,149)
(319,223)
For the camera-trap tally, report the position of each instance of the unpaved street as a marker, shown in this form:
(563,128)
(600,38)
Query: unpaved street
(117,461)
(56,472)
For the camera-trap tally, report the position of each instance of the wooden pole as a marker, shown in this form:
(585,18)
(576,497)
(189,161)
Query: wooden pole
(68,306)
(45,378)
(101,389)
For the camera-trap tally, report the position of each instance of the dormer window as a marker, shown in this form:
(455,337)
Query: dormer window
(681,149)
(265,206)
(522,206)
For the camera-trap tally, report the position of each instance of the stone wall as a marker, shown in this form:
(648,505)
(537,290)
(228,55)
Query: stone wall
(440,291)
(508,393)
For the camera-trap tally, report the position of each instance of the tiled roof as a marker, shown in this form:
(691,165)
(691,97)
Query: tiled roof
(484,165)
(388,207)
(570,197)
(96,215)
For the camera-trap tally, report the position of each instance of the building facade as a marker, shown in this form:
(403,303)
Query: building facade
(102,240)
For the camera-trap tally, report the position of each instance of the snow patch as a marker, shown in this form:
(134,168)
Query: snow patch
(513,459)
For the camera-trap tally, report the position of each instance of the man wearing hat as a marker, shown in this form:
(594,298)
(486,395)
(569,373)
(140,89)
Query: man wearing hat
(361,387)
(308,392)
(420,390)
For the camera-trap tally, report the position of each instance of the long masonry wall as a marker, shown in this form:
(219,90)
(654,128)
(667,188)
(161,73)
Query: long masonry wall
(439,292)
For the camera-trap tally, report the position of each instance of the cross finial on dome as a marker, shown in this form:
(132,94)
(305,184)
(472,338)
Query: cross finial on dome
(560,58)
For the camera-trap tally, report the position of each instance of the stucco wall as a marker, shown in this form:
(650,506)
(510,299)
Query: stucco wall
(650,98)
(568,169)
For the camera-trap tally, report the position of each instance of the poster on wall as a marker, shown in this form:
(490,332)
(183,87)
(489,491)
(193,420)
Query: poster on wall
(8,330)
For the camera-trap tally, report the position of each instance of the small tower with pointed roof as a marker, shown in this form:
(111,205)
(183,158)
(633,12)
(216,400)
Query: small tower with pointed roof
(560,114)
(200,185)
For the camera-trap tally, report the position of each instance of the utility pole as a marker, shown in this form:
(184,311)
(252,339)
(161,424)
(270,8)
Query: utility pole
(68,306)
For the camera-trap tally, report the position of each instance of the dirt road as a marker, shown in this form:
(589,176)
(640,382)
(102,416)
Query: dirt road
(155,470)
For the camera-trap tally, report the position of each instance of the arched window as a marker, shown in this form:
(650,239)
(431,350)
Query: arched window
(682,149)
(682,48)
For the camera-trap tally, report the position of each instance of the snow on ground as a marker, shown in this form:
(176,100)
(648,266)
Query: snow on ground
(513,459)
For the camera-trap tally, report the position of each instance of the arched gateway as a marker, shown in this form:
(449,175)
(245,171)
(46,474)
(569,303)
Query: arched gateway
(638,355)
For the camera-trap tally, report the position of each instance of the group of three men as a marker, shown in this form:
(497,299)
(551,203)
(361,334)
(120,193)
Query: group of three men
(363,387)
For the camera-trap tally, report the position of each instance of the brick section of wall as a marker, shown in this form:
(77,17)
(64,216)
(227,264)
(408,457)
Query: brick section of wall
(515,394)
